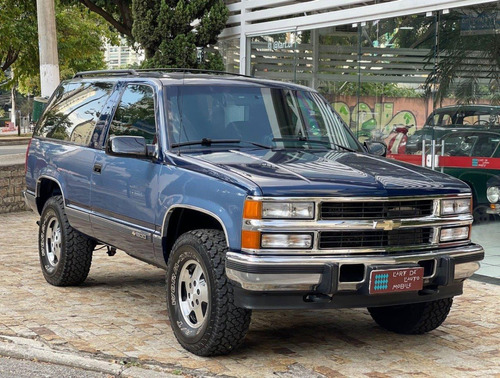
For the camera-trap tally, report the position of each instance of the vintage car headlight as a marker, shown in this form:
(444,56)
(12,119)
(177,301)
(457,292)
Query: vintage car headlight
(454,234)
(297,210)
(456,206)
(493,194)
(278,210)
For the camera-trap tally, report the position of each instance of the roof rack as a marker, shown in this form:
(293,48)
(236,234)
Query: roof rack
(106,72)
(138,72)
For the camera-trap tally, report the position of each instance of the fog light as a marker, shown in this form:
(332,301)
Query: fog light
(454,234)
(286,241)
(493,194)
(455,206)
(466,270)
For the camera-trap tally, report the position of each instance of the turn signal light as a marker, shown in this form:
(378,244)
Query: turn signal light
(252,210)
(250,239)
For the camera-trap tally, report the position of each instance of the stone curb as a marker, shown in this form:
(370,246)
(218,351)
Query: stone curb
(5,141)
(30,349)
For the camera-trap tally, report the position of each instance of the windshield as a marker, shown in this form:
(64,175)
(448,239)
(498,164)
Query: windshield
(271,117)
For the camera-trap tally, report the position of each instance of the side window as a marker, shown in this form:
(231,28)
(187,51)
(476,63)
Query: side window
(74,111)
(135,114)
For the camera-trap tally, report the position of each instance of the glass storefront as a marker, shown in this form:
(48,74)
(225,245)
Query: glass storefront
(428,85)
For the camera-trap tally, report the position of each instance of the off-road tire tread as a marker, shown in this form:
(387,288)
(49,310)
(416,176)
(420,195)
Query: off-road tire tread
(231,323)
(78,251)
(412,319)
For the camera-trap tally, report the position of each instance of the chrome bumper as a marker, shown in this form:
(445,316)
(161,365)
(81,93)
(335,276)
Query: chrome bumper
(306,273)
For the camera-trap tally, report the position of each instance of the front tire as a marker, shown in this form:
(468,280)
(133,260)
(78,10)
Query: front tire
(412,319)
(200,299)
(65,254)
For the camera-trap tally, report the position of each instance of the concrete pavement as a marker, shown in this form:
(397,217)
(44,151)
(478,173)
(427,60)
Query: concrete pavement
(119,317)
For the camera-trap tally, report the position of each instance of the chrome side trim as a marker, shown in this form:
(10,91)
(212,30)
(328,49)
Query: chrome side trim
(183,206)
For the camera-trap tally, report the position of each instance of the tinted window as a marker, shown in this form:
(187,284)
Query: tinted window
(135,114)
(74,111)
(268,116)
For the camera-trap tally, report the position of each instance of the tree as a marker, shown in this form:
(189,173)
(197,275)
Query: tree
(117,12)
(79,35)
(468,66)
(170,31)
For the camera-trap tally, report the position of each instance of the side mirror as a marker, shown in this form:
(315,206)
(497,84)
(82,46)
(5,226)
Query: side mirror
(376,148)
(127,145)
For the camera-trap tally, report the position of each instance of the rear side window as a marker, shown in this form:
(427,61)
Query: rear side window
(135,114)
(73,112)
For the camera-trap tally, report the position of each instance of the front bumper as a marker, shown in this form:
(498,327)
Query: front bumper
(345,276)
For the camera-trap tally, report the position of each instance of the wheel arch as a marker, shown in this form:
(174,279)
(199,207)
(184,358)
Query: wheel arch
(47,187)
(183,218)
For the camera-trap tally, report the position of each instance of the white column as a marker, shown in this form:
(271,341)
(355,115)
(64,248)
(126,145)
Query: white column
(47,42)
(243,40)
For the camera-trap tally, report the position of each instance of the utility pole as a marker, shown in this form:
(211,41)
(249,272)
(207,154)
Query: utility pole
(47,43)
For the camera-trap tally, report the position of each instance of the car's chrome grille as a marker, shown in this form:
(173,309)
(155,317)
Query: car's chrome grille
(376,210)
(375,238)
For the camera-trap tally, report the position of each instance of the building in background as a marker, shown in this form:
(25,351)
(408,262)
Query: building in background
(123,55)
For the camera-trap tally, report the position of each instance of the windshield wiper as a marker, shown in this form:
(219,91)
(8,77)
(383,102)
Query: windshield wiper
(256,144)
(204,142)
(208,142)
(306,140)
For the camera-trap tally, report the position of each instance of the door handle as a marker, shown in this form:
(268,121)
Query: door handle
(97,168)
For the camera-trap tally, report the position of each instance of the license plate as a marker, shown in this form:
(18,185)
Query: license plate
(396,280)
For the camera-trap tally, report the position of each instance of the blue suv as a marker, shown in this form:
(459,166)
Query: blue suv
(251,194)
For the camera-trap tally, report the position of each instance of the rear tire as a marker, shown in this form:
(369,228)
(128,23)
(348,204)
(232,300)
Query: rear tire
(65,254)
(412,319)
(200,298)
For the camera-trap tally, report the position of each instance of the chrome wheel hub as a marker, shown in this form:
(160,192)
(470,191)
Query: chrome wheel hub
(193,294)
(53,241)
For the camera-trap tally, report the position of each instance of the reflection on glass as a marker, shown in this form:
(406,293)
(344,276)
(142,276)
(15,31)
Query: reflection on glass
(271,117)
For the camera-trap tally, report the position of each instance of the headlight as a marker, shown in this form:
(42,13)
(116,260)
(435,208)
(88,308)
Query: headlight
(298,210)
(286,241)
(454,234)
(278,210)
(456,206)
(493,194)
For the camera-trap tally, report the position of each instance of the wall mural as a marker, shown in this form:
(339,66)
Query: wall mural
(376,122)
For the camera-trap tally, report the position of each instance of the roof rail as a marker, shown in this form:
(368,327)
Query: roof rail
(131,72)
(190,70)
(105,72)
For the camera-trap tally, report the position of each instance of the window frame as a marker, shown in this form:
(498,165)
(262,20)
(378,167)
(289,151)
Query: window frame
(50,104)
(116,104)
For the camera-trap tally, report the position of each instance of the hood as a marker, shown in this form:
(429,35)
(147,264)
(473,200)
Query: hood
(327,173)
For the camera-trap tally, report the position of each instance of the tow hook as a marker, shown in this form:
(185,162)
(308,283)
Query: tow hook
(317,298)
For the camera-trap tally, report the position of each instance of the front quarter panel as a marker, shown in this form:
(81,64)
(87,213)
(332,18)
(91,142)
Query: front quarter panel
(179,187)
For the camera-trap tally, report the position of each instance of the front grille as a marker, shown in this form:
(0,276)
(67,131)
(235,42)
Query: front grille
(376,210)
(375,238)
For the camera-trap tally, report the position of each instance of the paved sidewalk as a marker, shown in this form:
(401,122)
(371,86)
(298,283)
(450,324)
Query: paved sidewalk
(119,314)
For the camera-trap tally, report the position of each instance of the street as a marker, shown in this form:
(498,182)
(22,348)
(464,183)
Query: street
(13,149)
(119,314)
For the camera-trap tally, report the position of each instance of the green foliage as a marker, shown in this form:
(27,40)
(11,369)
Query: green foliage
(79,34)
(171,30)
(465,55)
(117,13)
(374,89)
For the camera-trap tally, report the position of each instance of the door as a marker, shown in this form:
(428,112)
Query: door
(124,190)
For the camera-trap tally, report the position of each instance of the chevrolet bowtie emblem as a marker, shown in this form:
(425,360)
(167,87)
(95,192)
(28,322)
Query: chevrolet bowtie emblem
(386,225)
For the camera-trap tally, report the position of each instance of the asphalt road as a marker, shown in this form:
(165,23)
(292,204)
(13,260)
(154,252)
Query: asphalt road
(13,149)
(11,367)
